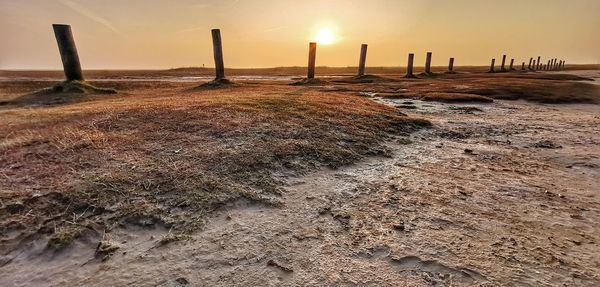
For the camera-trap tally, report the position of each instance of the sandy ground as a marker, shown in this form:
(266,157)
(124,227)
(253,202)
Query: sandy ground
(502,194)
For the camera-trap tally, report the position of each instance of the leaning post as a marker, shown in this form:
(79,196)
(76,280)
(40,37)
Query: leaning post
(503,63)
(539,61)
(312,55)
(428,63)
(218,53)
(530,61)
(534,67)
(512,63)
(451,65)
(523,66)
(362,60)
(409,66)
(492,66)
(68,52)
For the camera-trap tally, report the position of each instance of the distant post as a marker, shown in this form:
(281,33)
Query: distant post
(492,66)
(312,55)
(529,66)
(362,60)
(451,65)
(533,67)
(512,62)
(68,52)
(555,64)
(548,65)
(428,63)
(218,53)
(523,66)
(503,63)
(409,66)
(539,61)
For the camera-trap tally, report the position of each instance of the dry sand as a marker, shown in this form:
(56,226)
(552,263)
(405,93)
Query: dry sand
(499,194)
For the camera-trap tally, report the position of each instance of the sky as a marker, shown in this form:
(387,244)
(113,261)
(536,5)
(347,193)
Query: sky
(162,34)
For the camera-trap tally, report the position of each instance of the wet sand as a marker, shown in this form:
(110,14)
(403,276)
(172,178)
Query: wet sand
(500,194)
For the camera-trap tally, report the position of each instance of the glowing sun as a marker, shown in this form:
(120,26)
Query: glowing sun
(325,36)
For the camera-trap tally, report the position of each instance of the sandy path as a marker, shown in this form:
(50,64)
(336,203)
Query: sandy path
(511,212)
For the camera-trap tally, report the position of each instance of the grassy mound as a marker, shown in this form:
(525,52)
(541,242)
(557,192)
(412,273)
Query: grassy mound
(62,93)
(165,157)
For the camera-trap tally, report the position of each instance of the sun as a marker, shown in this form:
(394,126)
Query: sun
(325,36)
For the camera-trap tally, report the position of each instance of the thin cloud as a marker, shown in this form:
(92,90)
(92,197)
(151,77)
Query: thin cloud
(89,14)
(190,30)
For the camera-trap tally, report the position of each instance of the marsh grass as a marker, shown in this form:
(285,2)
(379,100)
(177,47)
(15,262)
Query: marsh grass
(171,156)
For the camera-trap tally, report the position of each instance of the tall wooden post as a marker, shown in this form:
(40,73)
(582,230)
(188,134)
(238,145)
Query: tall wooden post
(512,62)
(539,61)
(555,64)
(503,63)
(529,67)
(218,53)
(428,63)
(68,52)
(409,66)
(533,68)
(312,58)
(523,66)
(451,65)
(363,60)
(492,66)
(548,65)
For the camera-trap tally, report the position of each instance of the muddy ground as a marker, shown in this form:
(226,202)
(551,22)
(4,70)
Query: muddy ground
(494,194)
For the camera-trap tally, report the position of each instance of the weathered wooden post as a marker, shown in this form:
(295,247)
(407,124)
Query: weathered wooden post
(502,69)
(218,54)
(363,59)
(555,64)
(529,67)
(409,66)
(68,52)
(428,63)
(451,65)
(312,55)
(533,68)
(523,66)
(539,61)
(492,66)
(511,67)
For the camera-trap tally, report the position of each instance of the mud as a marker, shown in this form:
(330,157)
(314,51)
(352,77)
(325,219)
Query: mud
(478,200)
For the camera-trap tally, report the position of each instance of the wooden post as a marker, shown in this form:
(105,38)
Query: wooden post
(530,61)
(312,55)
(523,66)
(539,61)
(409,66)
(218,53)
(68,52)
(363,59)
(512,62)
(533,68)
(555,64)
(451,65)
(428,63)
(548,65)
(492,66)
(503,63)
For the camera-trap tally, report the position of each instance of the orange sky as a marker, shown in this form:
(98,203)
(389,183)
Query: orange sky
(139,34)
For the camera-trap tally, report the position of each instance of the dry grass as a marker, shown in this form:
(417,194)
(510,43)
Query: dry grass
(169,153)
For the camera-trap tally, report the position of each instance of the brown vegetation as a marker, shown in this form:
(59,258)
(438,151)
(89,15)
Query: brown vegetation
(167,153)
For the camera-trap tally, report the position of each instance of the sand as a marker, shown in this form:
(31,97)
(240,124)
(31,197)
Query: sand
(496,194)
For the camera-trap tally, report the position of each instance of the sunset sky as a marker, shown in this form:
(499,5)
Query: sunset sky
(156,34)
